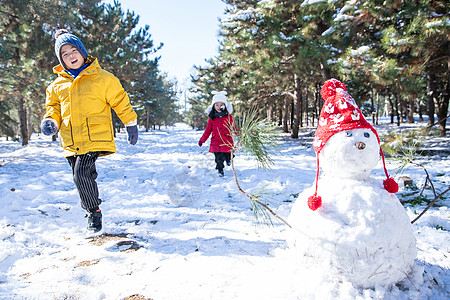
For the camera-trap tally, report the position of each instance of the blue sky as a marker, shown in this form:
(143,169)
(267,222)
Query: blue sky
(188,30)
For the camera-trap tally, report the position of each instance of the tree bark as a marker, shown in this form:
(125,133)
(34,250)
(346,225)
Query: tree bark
(420,110)
(372,104)
(402,103)
(325,72)
(280,115)
(431,95)
(270,104)
(297,107)
(287,101)
(377,114)
(306,112)
(29,123)
(292,112)
(442,110)
(391,104)
(147,119)
(303,105)
(316,106)
(411,103)
(23,121)
(396,104)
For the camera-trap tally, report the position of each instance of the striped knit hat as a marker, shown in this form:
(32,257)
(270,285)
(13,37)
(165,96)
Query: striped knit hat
(63,37)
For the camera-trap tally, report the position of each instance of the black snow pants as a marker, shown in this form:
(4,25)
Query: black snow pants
(84,176)
(221,157)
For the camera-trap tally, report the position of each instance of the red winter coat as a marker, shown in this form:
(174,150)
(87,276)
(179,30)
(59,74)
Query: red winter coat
(222,139)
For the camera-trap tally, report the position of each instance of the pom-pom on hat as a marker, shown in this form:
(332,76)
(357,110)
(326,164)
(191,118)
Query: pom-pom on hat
(63,37)
(220,97)
(340,113)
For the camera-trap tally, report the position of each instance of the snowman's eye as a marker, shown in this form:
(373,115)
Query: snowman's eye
(366,134)
(348,133)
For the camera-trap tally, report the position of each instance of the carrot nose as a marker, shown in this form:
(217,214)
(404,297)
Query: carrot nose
(360,145)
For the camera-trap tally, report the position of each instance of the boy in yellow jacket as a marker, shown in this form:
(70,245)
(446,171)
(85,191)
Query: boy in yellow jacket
(79,104)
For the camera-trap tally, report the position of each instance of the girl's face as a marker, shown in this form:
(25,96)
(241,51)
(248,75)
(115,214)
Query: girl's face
(71,57)
(217,106)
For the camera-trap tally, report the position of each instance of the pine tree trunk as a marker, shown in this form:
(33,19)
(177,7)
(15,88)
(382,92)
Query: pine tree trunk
(286,114)
(280,115)
(307,104)
(372,105)
(147,120)
(296,107)
(391,104)
(396,106)
(420,110)
(412,100)
(270,110)
(303,104)
(292,113)
(325,72)
(431,96)
(316,106)
(29,123)
(442,110)
(23,121)
(377,113)
(403,108)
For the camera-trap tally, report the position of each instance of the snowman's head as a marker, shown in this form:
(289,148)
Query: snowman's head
(351,153)
(347,146)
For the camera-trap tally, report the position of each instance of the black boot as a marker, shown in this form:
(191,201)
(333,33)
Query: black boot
(94,221)
(221,174)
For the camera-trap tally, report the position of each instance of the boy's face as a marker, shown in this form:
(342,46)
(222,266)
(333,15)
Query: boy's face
(217,106)
(71,57)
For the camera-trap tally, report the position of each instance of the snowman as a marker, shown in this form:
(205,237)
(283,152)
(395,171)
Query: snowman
(349,223)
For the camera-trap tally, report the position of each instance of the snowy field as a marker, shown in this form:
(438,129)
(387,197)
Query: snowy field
(174,230)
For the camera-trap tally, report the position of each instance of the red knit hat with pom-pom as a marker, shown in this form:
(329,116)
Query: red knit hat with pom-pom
(340,113)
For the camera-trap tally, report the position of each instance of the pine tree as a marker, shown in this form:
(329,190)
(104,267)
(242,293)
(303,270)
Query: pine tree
(23,59)
(111,35)
(419,40)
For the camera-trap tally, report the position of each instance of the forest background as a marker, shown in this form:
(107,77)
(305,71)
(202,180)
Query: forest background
(393,55)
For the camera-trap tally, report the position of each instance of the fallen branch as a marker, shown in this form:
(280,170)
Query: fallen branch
(431,204)
(428,179)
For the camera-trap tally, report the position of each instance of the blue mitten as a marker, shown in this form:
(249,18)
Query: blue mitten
(49,127)
(132,134)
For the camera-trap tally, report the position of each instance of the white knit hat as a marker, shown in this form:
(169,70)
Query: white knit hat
(219,97)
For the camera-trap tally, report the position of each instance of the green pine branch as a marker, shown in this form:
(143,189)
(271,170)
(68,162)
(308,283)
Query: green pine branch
(257,138)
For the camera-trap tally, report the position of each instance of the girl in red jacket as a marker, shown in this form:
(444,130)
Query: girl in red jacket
(219,123)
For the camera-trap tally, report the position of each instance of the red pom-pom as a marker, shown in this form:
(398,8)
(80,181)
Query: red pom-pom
(390,185)
(329,88)
(314,202)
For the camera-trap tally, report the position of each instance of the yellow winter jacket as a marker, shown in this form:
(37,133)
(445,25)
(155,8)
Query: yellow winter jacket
(82,108)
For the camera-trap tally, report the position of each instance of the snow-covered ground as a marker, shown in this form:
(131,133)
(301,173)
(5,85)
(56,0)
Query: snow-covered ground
(174,230)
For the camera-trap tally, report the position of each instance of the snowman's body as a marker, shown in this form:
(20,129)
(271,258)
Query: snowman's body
(361,232)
